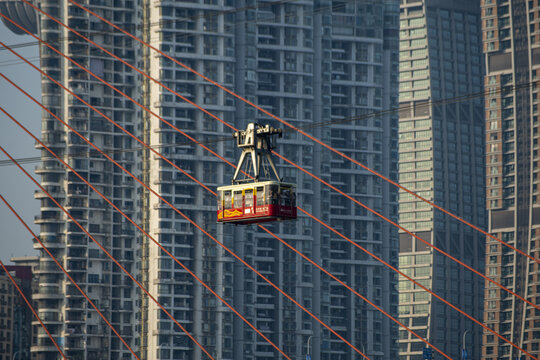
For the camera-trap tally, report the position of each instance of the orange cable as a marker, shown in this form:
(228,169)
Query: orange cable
(305,134)
(33,310)
(200,183)
(97,243)
(156,152)
(141,73)
(67,274)
(136,225)
(420,239)
(187,100)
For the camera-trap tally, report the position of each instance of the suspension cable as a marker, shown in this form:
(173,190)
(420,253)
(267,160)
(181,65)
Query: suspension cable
(304,133)
(33,310)
(99,244)
(181,96)
(140,228)
(67,274)
(222,122)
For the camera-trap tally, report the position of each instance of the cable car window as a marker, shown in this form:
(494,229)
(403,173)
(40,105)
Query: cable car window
(227,199)
(248,198)
(260,196)
(219,201)
(272,194)
(284,197)
(237,199)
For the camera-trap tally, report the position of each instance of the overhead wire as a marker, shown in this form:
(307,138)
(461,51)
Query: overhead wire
(285,243)
(67,274)
(196,225)
(302,132)
(114,88)
(180,95)
(33,310)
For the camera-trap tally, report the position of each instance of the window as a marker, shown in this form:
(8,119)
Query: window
(260,196)
(272,194)
(227,200)
(248,198)
(237,199)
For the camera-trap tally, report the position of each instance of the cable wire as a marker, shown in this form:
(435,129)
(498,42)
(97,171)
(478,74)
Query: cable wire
(168,89)
(304,133)
(33,310)
(428,244)
(192,104)
(67,274)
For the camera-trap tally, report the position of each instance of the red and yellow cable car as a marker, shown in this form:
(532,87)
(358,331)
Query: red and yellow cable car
(250,200)
(257,202)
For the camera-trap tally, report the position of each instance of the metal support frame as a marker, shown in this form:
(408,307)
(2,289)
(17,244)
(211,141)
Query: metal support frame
(256,143)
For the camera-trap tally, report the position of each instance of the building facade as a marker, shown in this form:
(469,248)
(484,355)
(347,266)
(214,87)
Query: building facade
(75,325)
(8,296)
(22,316)
(441,158)
(305,61)
(512,48)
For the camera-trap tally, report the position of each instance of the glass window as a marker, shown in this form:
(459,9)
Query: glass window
(220,200)
(227,200)
(272,194)
(248,198)
(260,196)
(237,199)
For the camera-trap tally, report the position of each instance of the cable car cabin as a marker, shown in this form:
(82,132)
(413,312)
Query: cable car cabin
(256,202)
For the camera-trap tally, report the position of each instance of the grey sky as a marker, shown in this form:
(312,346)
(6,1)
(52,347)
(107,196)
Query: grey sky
(15,240)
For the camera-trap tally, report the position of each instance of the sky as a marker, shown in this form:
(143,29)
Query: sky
(15,240)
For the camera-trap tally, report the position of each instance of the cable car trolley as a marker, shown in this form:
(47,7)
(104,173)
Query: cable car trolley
(253,199)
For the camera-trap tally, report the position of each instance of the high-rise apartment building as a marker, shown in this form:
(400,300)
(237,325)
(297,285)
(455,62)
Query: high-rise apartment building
(512,48)
(77,327)
(441,158)
(305,61)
